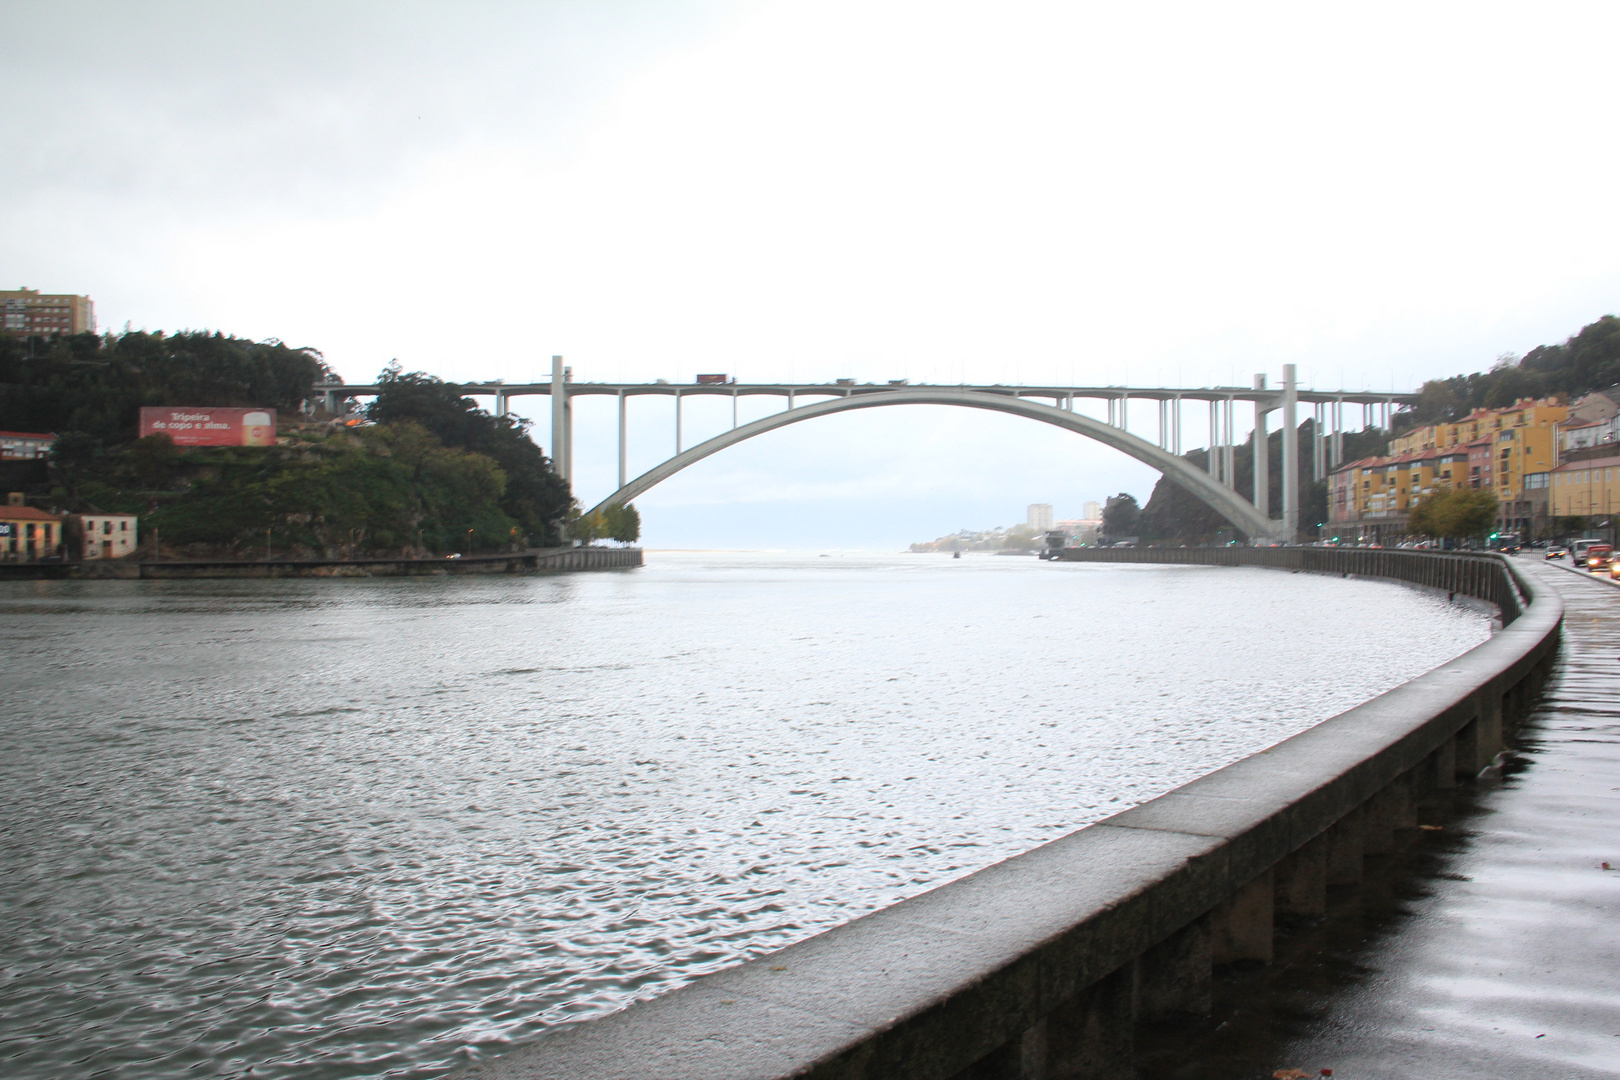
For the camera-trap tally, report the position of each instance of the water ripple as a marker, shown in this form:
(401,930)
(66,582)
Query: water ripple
(347,829)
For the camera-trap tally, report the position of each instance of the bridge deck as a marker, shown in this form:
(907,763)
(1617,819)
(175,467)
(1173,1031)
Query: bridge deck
(1270,397)
(1500,956)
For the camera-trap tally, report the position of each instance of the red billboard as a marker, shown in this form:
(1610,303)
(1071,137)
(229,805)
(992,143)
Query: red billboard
(211,427)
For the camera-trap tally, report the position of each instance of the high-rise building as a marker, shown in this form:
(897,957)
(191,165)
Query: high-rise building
(28,311)
(1092,511)
(1040,516)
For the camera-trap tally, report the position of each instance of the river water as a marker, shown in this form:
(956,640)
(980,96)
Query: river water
(335,829)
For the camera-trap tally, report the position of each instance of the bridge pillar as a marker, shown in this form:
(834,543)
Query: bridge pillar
(1318,446)
(562,422)
(1229,465)
(622,475)
(1262,455)
(1336,450)
(1215,456)
(1290,456)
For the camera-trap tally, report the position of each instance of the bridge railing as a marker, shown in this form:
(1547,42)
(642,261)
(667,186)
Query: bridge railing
(1041,965)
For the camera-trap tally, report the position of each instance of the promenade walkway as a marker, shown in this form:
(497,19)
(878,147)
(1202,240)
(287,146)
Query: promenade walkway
(1493,951)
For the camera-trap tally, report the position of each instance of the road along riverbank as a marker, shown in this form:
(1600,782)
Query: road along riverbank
(1044,964)
(534,560)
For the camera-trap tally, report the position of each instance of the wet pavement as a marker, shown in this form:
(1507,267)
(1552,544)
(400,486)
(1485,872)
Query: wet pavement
(1489,946)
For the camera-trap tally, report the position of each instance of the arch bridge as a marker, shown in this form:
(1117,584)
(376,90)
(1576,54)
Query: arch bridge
(1215,486)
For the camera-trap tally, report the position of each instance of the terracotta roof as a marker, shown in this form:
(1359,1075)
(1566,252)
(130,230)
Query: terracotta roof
(26,513)
(27,435)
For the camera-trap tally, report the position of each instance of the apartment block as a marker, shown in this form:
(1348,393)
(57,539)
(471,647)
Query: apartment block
(1524,413)
(25,445)
(1500,450)
(1585,488)
(29,311)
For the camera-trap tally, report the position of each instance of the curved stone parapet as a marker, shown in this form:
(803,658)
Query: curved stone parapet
(1039,966)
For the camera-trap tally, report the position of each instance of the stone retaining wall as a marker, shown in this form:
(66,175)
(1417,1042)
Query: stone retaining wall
(535,560)
(1041,965)
(540,560)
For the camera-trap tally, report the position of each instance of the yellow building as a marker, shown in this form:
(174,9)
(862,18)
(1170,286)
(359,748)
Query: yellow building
(1524,439)
(28,311)
(1525,412)
(1383,489)
(27,534)
(1585,488)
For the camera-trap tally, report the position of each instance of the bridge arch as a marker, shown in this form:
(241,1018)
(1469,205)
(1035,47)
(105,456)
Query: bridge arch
(1223,500)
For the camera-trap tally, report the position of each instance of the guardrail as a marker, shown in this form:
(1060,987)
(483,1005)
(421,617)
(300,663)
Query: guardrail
(1040,966)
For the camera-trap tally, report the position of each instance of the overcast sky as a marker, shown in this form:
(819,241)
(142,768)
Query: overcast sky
(1106,193)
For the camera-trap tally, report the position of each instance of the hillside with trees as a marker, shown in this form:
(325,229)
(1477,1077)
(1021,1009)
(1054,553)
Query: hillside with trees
(1588,361)
(426,470)
(1173,514)
(96,385)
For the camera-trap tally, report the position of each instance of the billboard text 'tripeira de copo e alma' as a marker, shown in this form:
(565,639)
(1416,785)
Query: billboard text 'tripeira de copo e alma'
(211,427)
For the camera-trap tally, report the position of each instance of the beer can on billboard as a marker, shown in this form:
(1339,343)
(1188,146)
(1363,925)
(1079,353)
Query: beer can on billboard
(211,427)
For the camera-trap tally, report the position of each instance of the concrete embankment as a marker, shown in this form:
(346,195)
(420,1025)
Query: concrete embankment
(1494,951)
(1045,965)
(534,560)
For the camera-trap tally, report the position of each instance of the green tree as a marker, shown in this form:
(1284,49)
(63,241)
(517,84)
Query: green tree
(154,459)
(535,496)
(1454,514)
(97,385)
(1121,515)
(586,527)
(622,523)
(73,456)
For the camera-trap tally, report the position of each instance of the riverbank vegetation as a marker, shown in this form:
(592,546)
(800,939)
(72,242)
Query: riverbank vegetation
(1454,514)
(1587,361)
(422,470)
(95,385)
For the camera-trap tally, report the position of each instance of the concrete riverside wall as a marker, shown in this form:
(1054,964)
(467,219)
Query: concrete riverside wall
(1041,965)
(534,560)
(1475,574)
